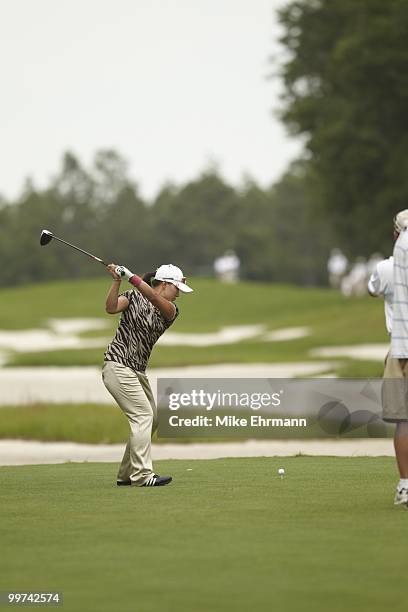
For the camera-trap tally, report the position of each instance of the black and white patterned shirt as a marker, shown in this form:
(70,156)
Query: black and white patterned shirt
(141,325)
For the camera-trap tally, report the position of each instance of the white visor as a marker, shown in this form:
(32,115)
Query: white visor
(172,274)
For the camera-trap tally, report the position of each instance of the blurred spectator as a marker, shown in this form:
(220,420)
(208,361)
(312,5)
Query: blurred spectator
(381,282)
(337,267)
(226,267)
(355,283)
(372,263)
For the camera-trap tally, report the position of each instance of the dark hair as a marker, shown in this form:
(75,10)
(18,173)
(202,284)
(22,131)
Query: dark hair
(148,278)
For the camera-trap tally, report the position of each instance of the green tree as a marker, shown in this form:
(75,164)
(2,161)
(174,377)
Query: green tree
(346,91)
(110,175)
(20,226)
(74,216)
(124,231)
(276,232)
(281,238)
(196,223)
(120,215)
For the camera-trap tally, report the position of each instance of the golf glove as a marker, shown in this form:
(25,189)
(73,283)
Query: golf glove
(123,272)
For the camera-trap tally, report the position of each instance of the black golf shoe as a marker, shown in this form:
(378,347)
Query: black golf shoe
(157,481)
(123,483)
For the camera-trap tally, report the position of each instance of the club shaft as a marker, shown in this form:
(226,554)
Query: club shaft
(80,250)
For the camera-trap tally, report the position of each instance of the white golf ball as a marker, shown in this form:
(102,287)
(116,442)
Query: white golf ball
(281,471)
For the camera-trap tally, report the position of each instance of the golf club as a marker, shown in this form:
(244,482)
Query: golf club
(47,236)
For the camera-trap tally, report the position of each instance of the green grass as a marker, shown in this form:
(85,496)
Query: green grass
(228,536)
(104,424)
(67,357)
(334,320)
(30,305)
(353,368)
(211,306)
(86,423)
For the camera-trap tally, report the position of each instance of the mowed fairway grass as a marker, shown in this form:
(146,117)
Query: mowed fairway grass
(226,536)
(331,318)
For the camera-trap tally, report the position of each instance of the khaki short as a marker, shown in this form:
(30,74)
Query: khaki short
(395,390)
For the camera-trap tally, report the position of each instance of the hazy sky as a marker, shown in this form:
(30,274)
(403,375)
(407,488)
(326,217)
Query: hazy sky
(172,84)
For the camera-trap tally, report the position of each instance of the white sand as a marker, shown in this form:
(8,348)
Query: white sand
(64,334)
(84,384)
(76,325)
(286,333)
(366,352)
(226,335)
(18,452)
(29,340)
(230,335)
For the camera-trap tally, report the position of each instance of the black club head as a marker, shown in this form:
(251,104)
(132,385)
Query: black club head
(46,237)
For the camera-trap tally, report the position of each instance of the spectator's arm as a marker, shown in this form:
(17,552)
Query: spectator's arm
(374,285)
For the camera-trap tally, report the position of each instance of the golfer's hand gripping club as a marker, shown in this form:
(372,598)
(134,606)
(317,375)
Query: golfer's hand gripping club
(123,272)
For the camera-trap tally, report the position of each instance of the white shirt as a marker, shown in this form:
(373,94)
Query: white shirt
(382,283)
(337,263)
(399,337)
(226,263)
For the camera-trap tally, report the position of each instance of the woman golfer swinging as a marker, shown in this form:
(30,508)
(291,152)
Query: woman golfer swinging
(147,311)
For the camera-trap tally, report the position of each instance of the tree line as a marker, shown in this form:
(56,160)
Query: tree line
(345,76)
(273,231)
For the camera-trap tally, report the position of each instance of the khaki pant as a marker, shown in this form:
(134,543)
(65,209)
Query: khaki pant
(134,396)
(395,390)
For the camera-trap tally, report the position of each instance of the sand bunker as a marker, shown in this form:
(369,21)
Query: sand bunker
(226,335)
(64,334)
(20,452)
(84,384)
(286,333)
(29,340)
(365,352)
(229,335)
